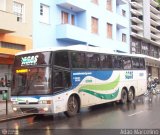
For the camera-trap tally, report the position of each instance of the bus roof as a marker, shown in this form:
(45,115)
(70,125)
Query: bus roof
(84,48)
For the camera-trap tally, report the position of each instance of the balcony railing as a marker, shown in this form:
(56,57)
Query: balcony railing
(68,32)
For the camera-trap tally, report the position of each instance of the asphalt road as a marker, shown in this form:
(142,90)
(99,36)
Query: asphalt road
(144,113)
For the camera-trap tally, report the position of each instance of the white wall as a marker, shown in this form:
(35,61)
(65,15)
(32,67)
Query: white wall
(3,5)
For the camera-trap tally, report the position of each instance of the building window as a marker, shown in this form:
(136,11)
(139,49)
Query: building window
(135,46)
(18,10)
(94,1)
(94,25)
(124,37)
(44,13)
(72,19)
(109,30)
(123,13)
(109,5)
(145,48)
(64,17)
(12,46)
(67,18)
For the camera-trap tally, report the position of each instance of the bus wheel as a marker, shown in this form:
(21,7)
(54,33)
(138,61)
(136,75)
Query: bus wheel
(124,96)
(130,95)
(72,107)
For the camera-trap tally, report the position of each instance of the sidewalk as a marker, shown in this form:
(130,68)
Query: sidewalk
(11,114)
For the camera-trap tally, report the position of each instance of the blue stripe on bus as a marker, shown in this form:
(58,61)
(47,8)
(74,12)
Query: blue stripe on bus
(78,76)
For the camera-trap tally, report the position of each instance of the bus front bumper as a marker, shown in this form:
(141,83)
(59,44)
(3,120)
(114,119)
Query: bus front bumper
(34,108)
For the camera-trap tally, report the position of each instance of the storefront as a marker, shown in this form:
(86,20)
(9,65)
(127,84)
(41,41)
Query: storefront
(153,67)
(6,62)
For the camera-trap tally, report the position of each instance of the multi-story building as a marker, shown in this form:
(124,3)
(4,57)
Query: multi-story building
(103,23)
(145,31)
(15,34)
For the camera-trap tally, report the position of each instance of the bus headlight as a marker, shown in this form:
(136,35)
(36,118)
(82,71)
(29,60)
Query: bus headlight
(45,109)
(14,109)
(45,102)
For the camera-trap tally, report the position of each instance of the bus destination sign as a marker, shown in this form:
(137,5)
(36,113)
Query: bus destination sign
(29,60)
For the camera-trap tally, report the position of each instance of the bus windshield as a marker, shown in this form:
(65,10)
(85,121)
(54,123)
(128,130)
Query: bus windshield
(31,81)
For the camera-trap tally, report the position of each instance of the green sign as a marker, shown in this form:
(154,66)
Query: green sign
(4,95)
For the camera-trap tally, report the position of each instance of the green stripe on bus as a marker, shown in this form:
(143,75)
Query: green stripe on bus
(102,87)
(102,96)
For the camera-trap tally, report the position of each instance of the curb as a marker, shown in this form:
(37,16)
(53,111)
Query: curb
(7,118)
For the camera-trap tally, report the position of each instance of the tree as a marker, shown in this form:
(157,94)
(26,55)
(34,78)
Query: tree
(158,2)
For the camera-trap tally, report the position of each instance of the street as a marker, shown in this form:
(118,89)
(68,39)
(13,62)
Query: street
(142,114)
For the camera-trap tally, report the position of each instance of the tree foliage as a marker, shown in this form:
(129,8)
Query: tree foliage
(158,2)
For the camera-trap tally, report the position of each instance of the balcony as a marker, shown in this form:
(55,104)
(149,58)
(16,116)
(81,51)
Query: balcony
(136,20)
(9,22)
(155,17)
(120,2)
(154,36)
(155,23)
(136,12)
(154,10)
(71,33)
(154,3)
(137,28)
(122,22)
(136,5)
(74,5)
(154,30)
(137,35)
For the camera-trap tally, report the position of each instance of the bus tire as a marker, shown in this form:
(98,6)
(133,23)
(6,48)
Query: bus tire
(124,96)
(130,95)
(72,106)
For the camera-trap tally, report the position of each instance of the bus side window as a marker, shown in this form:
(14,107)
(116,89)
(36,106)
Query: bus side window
(61,59)
(127,63)
(58,80)
(93,60)
(78,60)
(109,61)
(117,62)
(142,63)
(67,79)
(62,80)
(135,63)
(103,61)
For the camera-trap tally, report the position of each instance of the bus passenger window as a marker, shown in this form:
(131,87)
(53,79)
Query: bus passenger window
(117,62)
(127,63)
(93,60)
(142,63)
(61,59)
(58,81)
(106,61)
(135,63)
(67,79)
(78,60)
(62,80)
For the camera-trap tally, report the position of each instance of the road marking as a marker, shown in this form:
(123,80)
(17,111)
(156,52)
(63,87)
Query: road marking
(136,113)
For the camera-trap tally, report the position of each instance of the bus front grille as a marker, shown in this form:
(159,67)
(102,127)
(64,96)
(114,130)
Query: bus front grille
(24,103)
(29,110)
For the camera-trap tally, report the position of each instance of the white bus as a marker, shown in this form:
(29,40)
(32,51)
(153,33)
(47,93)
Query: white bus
(65,79)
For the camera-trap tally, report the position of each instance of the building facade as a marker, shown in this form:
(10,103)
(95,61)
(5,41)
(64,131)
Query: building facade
(145,31)
(15,34)
(103,23)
